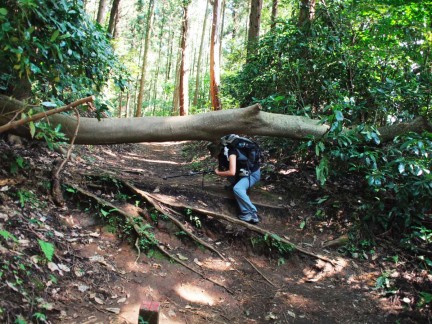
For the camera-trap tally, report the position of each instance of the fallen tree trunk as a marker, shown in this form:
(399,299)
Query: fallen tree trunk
(206,126)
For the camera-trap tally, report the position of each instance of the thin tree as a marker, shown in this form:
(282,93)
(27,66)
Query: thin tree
(101,11)
(159,57)
(214,57)
(144,59)
(184,70)
(114,16)
(198,69)
(254,26)
(274,14)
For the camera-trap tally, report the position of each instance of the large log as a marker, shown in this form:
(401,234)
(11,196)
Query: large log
(205,126)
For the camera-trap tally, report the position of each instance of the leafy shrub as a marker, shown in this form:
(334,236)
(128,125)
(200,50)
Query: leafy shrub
(56,46)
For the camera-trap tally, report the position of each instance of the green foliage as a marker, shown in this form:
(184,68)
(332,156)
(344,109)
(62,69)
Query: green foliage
(385,283)
(16,164)
(194,218)
(425,299)
(275,241)
(6,235)
(52,136)
(358,60)
(57,47)
(47,248)
(27,196)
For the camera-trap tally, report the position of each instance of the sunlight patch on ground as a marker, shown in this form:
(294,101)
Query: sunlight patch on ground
(288,171)
(163,143)
(323,270)
(297,301)
(215,264)
(140,158)
(109,152)
(194,294)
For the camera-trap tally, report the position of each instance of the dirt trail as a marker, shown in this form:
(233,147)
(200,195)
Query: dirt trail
(267,287)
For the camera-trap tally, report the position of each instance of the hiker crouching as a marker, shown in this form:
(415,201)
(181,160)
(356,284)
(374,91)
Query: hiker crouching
(239,161)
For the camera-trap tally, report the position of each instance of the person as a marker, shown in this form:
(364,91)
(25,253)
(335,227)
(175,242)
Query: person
(241,180)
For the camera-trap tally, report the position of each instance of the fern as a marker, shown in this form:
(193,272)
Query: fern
(47,249)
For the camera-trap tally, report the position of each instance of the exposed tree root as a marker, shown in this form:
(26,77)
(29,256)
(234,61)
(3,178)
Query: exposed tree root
(251,227)
(169,213)
(142,233)
(262,275)
(152,199)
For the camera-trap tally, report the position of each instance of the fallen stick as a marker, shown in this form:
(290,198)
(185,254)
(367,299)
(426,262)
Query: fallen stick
(140,232)
(253,266)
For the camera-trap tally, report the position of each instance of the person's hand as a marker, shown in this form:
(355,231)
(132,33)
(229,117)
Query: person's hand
(216,171)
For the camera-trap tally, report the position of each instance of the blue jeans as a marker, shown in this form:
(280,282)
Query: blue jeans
(240,192)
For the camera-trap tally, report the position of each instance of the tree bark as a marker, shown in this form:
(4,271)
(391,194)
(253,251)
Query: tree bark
(205,126)
(214,57)
(113,17)
(274,14)
(254,26)
(101,11)
(198,69)
(144,59)
(184,70)
(307,11)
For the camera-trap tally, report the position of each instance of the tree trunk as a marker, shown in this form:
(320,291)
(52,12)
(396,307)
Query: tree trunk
(169,55)
(176,94)
(254,26)
(206,126)
(144,59)
(198,69)
(307,11)
(184,70)
(159,58)
(274,14)
(214,58)
(113,17)
(101,12)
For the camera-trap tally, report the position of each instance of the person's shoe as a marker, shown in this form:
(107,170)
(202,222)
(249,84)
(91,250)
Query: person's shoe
(254,219)
(245,217)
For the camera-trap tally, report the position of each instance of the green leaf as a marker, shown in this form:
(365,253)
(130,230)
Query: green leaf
(32,129)
(20,161)
(302,224)
(3,11)
(47,249)
(55,35)
(6,235)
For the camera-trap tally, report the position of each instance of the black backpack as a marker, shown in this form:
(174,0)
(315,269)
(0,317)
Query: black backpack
(248,153)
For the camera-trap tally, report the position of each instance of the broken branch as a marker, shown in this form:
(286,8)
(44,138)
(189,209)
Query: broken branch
(43,114)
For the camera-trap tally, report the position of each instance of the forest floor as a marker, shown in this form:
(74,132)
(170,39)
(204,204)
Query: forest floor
(99,276)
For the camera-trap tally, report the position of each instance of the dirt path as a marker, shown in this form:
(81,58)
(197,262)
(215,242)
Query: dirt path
(289,288)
